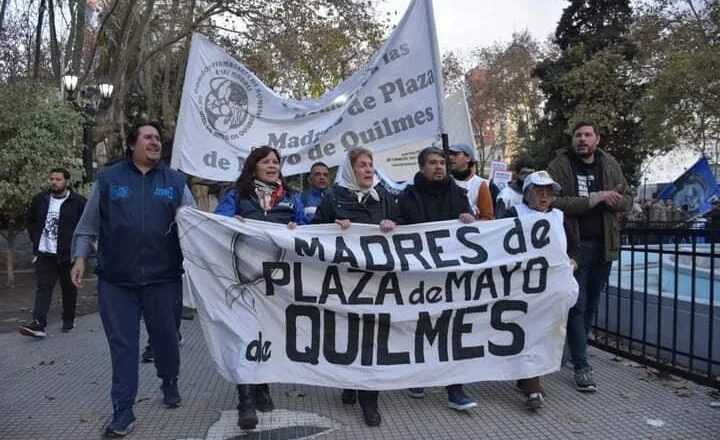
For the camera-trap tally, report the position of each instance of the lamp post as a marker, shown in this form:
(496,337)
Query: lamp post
(89,100)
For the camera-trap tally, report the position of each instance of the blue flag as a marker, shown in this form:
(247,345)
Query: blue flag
(696,188)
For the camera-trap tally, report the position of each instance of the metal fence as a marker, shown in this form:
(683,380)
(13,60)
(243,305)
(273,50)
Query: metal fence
(662,303)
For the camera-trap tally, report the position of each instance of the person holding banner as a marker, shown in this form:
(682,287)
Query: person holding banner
(260,193)
(539,192)
(594,190)
(433,197)
(357,197)
(462,162)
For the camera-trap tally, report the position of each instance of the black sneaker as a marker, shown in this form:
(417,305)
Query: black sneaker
(34,330)
(349,397)
(68,326)
(147,355)
(584,380)
(171,395)
(122,424)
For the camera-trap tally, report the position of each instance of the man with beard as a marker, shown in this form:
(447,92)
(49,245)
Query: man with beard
(433,197)
(462,162)
(512,194)
(54,213)
(593,191)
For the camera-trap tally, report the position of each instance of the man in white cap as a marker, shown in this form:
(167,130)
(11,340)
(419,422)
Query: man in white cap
(462,162)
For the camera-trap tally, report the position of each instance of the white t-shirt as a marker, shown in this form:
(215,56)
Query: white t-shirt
(473,190)
(48,239)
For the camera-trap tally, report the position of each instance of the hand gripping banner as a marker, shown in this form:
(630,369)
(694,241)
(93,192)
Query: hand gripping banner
(425,305)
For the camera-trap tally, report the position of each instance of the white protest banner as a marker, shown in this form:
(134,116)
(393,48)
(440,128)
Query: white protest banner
(502,178)
(400,164)
(226,110)
(424,305)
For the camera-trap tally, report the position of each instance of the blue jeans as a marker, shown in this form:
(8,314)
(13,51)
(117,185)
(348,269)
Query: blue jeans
(592,274)
(120,309)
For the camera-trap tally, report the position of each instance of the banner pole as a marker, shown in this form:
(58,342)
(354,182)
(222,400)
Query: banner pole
(446,150)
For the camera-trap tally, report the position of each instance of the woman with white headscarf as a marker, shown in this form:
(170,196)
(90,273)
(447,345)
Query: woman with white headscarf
(357,197)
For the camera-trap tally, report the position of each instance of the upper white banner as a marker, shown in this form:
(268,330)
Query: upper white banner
(225,111)
(431,304)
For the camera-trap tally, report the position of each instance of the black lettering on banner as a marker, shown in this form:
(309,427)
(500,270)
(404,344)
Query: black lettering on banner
(485,281)
(459,328)
(458,281)
(298,284)
(332,285)
(257,350)
(415,250)
(426,330)
(366,242)
(312,352)
(481,254)
(385,357)
(329,339)
(270,282)
(368,339)
(389,285)
(355,297)
(542,275)
(436,251)
(303,248)
(517,233)
(542,227)
(507,275)
(434,294)
(343,253)
(518,334)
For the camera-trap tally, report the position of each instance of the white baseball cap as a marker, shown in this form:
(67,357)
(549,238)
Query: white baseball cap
(540,178)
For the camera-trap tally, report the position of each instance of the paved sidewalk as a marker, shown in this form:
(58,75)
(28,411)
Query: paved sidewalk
(58,388)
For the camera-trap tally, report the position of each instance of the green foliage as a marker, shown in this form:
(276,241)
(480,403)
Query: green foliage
(593,77)
(37,132)
(680,45)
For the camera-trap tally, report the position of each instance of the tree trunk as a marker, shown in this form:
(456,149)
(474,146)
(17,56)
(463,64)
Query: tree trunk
(2,13)
(38,39)
(79,31)
(10,257)
(71,36)
(54,46)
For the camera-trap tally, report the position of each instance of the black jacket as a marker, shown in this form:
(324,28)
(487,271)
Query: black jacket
(341,204)
(424,202)
(70,212)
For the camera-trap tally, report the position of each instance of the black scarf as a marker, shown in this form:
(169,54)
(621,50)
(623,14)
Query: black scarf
(462,175)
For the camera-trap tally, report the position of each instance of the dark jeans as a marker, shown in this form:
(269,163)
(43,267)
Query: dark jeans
(368,399)
(48,270)
(592,274)
(120,309)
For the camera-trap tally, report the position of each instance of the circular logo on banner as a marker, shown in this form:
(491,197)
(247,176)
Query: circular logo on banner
(229,99)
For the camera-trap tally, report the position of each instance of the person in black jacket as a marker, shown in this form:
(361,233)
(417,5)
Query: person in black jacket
(434,196)
(357,197)
(260,194)
(53,216)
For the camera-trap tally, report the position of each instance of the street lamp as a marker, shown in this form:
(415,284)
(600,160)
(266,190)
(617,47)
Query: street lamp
(88,100)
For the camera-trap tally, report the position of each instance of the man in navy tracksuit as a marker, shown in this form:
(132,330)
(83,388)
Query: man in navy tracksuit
(131,212)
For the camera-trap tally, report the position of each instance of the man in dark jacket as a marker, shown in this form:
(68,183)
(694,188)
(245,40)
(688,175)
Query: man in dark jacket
(434,196)
(53,215)
(131,213)
(594,190)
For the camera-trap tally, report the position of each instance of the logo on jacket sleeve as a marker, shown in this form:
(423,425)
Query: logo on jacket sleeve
(165,193)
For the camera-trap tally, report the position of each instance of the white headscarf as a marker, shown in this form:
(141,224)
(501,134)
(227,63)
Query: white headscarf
(347,179)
